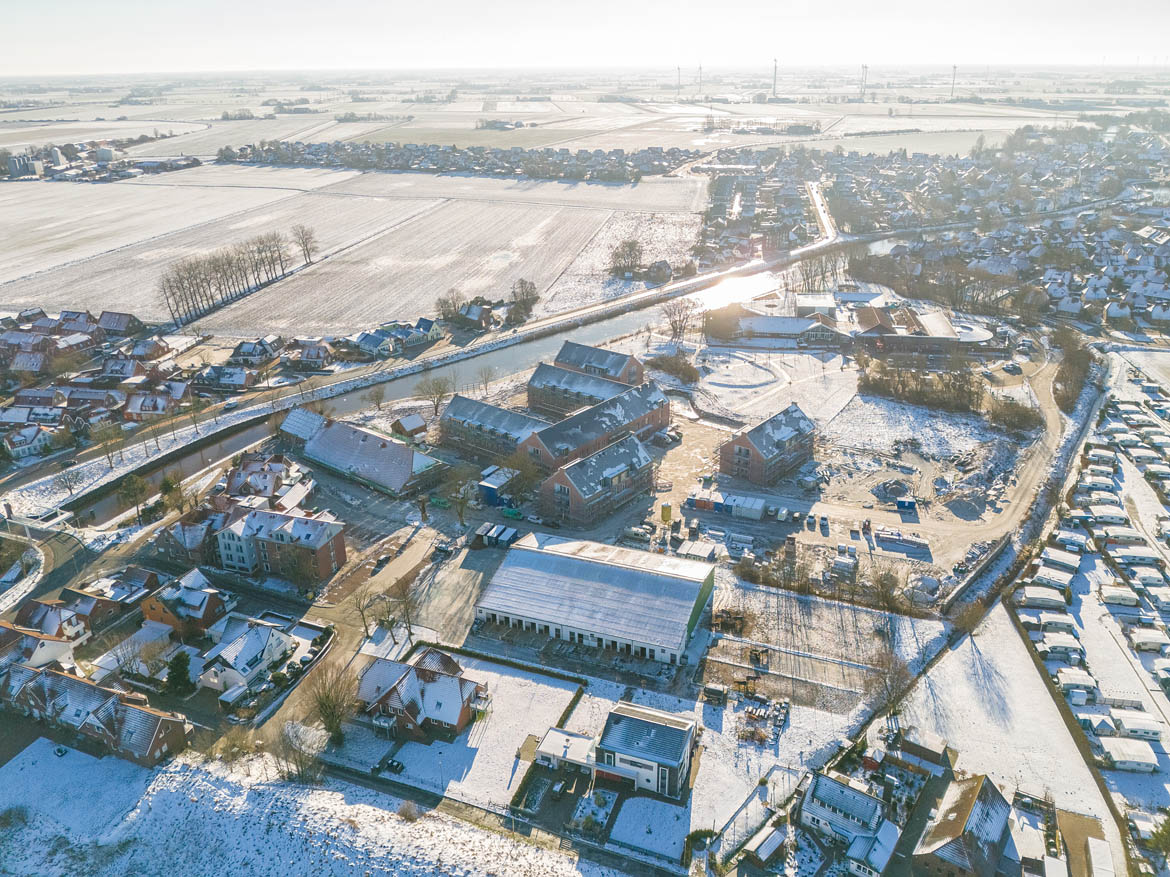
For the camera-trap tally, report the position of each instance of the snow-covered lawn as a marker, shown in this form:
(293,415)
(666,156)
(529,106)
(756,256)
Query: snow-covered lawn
(652,825)
(874,423)
(192,818)
(598,807)
(986,699)
(482,766)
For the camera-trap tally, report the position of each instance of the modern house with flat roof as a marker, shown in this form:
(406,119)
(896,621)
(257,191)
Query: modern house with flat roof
(600,596)
(649,748)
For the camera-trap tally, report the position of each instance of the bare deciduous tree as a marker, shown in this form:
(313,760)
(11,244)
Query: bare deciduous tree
(365,601)
(680,314)
(305,240)
(486,375)
(69,479)
(333,694)
(435,389)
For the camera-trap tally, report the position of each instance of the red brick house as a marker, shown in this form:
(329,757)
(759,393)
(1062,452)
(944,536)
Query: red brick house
(591,489)
(639,411)
(426,696)
(766,451)
(120,721)
(190,603)
(601,363)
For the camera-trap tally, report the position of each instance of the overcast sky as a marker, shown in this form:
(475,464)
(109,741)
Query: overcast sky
(131,36)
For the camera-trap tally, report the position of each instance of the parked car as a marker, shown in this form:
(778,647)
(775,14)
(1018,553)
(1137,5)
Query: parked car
(231,406)
(535,519)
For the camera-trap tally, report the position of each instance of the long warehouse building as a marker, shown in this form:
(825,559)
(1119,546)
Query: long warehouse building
(611,598)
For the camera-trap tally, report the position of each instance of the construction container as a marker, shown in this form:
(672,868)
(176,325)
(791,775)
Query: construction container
(666,513)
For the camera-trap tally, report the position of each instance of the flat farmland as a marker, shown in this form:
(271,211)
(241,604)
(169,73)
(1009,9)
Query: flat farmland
(129,275)
(206,142)
(45,225)
(651,195)
(466,134)
(18,135)
(477,247)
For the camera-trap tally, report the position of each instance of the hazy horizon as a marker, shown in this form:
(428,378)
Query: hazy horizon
(128,37)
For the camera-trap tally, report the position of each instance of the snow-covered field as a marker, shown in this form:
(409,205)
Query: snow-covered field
(193,818)
(874,423)
(987,701)
(587,279)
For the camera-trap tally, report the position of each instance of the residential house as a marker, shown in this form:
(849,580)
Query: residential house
(257,353)
(425,696)
(475,316)
(273,477)
(225,378)
(375,460)
(306,548)
(429,328)
(314,357)
(557,392)
(103,600)
(968,832)
(190,603)
(639,411)
(588,490)
(649,748)
(844,810)
(190,540)
(599,362)
(766,451)
(52,618)
(32,648)
(29,441)
(482,431)
(119,325)
(243,649)
(120,721)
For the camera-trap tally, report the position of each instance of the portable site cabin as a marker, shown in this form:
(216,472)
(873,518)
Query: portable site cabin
(1109,515)
(1069,540)
(1040,597)
(1126,753)
(1121,536)
(1118,595)
(1148,639)
(1058,559)
(1075,679)
(1057,622)
(1159,595)
(1144,456)
(1147,576)
(1100,470)
(1135,555)
(1055,578)
(1136,724)
(1060,647)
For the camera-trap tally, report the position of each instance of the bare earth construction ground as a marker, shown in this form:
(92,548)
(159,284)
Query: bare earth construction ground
(393,242)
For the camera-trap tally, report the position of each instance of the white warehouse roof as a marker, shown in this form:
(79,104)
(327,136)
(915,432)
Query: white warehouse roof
(620,593)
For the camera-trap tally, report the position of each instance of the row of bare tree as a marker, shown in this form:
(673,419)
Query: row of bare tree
(197,285)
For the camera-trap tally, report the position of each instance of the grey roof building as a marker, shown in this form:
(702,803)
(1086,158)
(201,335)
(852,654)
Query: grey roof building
(559,391)
(648,747)
(485,431)
(376,460)
(600,362)
(589,490)
(599,595)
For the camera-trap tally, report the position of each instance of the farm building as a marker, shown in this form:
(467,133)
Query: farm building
(969,834)
(589,490)
(599,362)
(375,460)
(639,410)
(618,599)
(844,811)
(648,748)
(766,451)
(556,391)
(484,431)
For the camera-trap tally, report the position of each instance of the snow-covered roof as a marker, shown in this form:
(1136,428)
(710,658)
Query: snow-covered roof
(769,437)
(588,586)
(372,457)
(491,418)
(590,475)
(969,826)
(602,419)
(593,360)
(644,732)
(302,423)
(552,377)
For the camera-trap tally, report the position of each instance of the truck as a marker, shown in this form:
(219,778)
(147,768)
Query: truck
(514,514)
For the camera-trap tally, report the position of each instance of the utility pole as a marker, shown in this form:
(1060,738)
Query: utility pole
(954,73)
(774,68)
